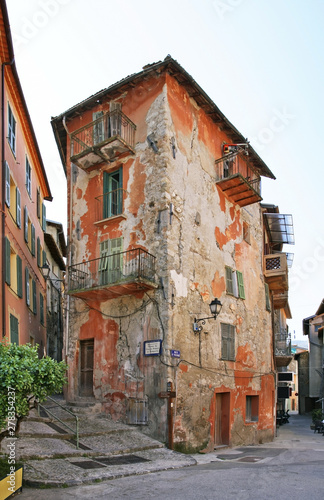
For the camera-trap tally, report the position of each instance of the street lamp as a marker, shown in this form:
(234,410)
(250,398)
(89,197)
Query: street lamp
(215,308)
(46,271)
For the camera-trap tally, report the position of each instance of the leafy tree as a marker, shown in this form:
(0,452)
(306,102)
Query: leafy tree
(24,378)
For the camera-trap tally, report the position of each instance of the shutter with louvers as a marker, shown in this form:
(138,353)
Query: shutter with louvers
(19,277)
(18,207)
(26,224)
(14,334)
(34,297)
(241,292)
(229,280)
(7,184)
(27,286)
(7,258)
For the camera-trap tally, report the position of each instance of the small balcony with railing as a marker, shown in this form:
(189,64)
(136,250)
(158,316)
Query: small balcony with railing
(238,180)
(114,275)
(276,272)
(103,140)
(110,205)
(282,348)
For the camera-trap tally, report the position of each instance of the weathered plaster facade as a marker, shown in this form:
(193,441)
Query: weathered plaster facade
(174,209)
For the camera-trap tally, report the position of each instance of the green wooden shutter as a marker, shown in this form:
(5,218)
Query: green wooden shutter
(240,283)
(229,280)
(231,351)
(43,217)
(34,297)
(7,258)
(44,258)
(41,308)
(7,184)
(33,239)
(228,342)
(267,297)
(19,277)
(14,333)
(27,286)
(26,224)
(39,252)
(18,207)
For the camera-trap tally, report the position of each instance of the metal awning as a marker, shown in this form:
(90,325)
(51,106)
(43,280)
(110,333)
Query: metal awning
(280,228)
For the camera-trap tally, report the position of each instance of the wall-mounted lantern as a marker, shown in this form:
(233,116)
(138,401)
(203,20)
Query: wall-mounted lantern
(215,308)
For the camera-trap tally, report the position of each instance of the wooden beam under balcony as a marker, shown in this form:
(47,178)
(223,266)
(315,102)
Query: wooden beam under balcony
(239,190)
(275,270)
(112,291)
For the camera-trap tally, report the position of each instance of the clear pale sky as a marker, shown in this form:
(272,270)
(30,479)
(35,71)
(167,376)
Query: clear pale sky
(260,61)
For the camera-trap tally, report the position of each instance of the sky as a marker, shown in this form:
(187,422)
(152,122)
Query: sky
(260,61)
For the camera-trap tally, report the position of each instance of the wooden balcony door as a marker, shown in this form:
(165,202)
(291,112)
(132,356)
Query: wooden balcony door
(86,370)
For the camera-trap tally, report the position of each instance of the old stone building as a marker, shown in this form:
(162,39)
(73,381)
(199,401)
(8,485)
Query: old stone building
(164,216)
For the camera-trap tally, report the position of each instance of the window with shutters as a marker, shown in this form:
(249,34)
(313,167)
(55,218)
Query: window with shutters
(14,330)
(13,271)
(30,291)
(234,283)
(228,342)
(13,197)
(11,130)
(29,232)
(28,177)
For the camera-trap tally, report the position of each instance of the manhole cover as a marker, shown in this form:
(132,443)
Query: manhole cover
(122,460)
(88,464)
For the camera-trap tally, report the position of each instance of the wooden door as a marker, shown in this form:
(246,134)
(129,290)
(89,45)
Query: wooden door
(222,419)
(86,371)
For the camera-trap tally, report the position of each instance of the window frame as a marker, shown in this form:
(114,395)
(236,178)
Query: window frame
(251,408)
(234,283)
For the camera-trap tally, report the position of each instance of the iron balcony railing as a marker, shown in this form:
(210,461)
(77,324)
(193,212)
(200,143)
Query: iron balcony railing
(105,128)
(110,204)
(111,269)
(234,164)
(282,344)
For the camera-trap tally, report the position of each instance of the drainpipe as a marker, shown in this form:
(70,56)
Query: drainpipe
(69,249)
(3,208)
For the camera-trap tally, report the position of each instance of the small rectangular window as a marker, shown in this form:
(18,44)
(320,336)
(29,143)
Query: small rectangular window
(234,283)
(252,409)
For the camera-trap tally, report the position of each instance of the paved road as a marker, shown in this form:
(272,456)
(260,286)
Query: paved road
(290,467)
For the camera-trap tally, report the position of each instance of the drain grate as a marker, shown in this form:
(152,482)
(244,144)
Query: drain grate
(122,460)
(88,464)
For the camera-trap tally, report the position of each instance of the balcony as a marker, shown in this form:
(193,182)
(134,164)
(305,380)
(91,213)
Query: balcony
(282,348)
(276,272)
(111,276)
(110,205)
(103,140)
(240,183)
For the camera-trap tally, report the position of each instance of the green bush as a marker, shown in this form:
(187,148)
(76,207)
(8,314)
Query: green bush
(24,378)
(317,414)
